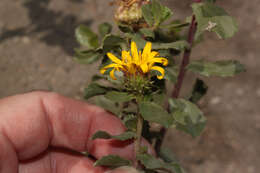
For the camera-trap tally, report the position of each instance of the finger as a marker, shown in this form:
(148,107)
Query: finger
(59,162)
(31,122)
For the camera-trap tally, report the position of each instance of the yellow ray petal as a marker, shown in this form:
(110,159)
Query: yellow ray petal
(131,68)
(161,60)
(154,53)
(134,52)
(126,58)
(147,51)
(144,67)
(104,69)
(112,74)
(159,69)
(114,58)
(140,58)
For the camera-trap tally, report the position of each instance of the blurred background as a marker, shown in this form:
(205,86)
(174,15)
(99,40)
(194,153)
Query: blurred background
(36,50)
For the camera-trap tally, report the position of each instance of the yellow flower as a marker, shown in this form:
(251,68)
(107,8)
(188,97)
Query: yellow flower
(136,63)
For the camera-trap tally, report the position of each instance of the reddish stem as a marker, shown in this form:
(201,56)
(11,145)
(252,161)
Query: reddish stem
(184,63)
(186,59)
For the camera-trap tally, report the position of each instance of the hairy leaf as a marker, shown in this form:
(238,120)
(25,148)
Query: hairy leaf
(95,89)
(148,15)
(147,32)
(130,122)
(198,91)
(137,38)
(171,74)
(167,155)
(112,41)
(188,117)
(108,105)
(86,37)
(178,45)
(104,29)
(152,163)
(122,137)
(211,1)
(125,28)
(152,112)
(117,96)
(97,77)
(87,57)
(213,18)
(219,68)
(155,13)
(112,161)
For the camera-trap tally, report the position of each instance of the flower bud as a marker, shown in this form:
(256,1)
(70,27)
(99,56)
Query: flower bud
(130,11)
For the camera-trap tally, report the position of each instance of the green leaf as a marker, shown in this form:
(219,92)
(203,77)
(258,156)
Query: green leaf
(175,25)
(125,28)
(152,163)
(130,121)
(178,45)
(219,68)
(211,1)
(112,41)
(137,38)
(104,29)
(122,137)
(159,98)
(199,90)
(108,105)
(95,89)
(171,74)
(152,112)
(213,18)
(101,135)
(167,155)
(148,15)
(166,14)
(86,37)
(87,57)
(155,13)
(188,117)
(97,77)
(147,32)
(112,161)
(117,96)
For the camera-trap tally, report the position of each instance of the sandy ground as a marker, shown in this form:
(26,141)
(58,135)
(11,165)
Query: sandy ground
(36,49)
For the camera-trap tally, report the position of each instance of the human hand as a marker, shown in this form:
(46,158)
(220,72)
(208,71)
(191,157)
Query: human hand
(44,132)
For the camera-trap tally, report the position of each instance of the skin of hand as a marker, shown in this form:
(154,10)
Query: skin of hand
(44,132)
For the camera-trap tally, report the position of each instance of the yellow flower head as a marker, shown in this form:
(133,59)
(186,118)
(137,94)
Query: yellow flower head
(136,63)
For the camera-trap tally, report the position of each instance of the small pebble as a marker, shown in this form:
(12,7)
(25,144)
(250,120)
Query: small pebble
(240,91)
(215,100)
(25,40)
(258,92)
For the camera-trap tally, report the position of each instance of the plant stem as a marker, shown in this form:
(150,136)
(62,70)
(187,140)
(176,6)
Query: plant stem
(138,133)
(178,85)
(139,129)
(186,59)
